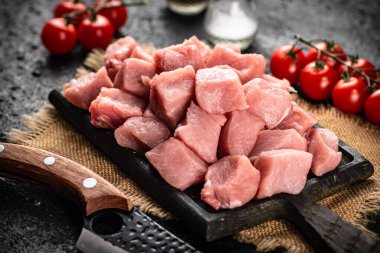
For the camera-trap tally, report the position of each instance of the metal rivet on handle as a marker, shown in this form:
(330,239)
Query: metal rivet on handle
(49,160)
(89,182)
(2,148)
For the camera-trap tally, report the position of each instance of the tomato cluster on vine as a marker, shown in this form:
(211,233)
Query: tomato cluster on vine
(93,27)
(326,71)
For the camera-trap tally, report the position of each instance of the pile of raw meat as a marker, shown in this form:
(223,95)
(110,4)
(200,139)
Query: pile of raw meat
(207,116)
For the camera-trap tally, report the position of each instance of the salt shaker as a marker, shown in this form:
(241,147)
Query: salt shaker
(231,21)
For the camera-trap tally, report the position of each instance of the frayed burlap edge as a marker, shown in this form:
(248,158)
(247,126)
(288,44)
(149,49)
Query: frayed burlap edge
(38,122)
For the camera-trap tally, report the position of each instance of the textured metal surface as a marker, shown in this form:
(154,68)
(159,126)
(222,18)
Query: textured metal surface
(35,220)
(89,242)
(138,233)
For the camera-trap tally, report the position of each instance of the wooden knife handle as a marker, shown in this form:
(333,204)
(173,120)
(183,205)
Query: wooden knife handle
(326,231)
(90,191)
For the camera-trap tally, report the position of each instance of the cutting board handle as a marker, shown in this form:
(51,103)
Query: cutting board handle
(90,191)
(326,230)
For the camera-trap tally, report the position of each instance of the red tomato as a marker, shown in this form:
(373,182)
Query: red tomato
(317,83)
(97,33)
(364,65)
(337,50)
(285,65)
(118,16)
(68,6)
(350,96)
(58,37)
(372,107)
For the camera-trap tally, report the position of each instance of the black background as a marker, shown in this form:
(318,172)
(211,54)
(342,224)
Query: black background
(36,220)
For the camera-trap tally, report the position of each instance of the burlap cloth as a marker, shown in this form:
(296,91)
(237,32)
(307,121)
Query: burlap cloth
(47,130)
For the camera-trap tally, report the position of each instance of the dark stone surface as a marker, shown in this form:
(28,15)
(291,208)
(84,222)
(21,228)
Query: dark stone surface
(36,220)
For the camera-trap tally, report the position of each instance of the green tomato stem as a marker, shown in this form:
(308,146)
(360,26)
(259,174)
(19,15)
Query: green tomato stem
(371,83)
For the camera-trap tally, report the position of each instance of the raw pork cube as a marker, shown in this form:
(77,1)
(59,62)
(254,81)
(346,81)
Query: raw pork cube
(129,76)
(120,49)
(219,90)
(177,164)
(323,144)
(116,53)
(113,106)
(178,56)
(80,92)
(298,119)
(282,171)
(145,81)
(149,114)
(282,84)
(141,134)
(113,66)
(200,131)
(204,49)
(270,104)
(233,47)
(139,53)
(171,93)
(239,134)
(278,139)
(247,66)
(231,182)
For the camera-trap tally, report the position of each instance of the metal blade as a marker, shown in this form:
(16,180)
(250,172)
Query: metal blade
(117,231)
(90,242)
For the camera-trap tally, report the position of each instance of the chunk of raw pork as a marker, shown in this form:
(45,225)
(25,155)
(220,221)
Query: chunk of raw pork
(323,144)
(120,49)
(114,106)
(278,139)
(139,53)
(219,90)
(204,49)
(282,171)
(231,182)
(282,84)
(200,131)
(239,134)
(149,114)
(116,53)
(141,134)
(82,91)
(233,47)
(178,56)
(129,78)
(270,104)
(113,66)
(171,93)
(177,164)
(247,66)
(298,119)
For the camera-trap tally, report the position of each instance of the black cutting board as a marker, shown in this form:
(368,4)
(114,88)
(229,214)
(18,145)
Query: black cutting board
(187,205)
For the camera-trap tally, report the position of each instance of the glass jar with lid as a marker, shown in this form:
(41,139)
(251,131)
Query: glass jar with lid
(231,21)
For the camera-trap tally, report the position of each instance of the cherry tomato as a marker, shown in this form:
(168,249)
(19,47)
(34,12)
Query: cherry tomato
(364,65)
(372,107)
(117,16)
(285,65)
(337,50)
(68,6)
(350,95)
(58,37)
(318,83)
(96,33)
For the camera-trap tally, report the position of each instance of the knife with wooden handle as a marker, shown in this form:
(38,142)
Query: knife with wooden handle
(111,223)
